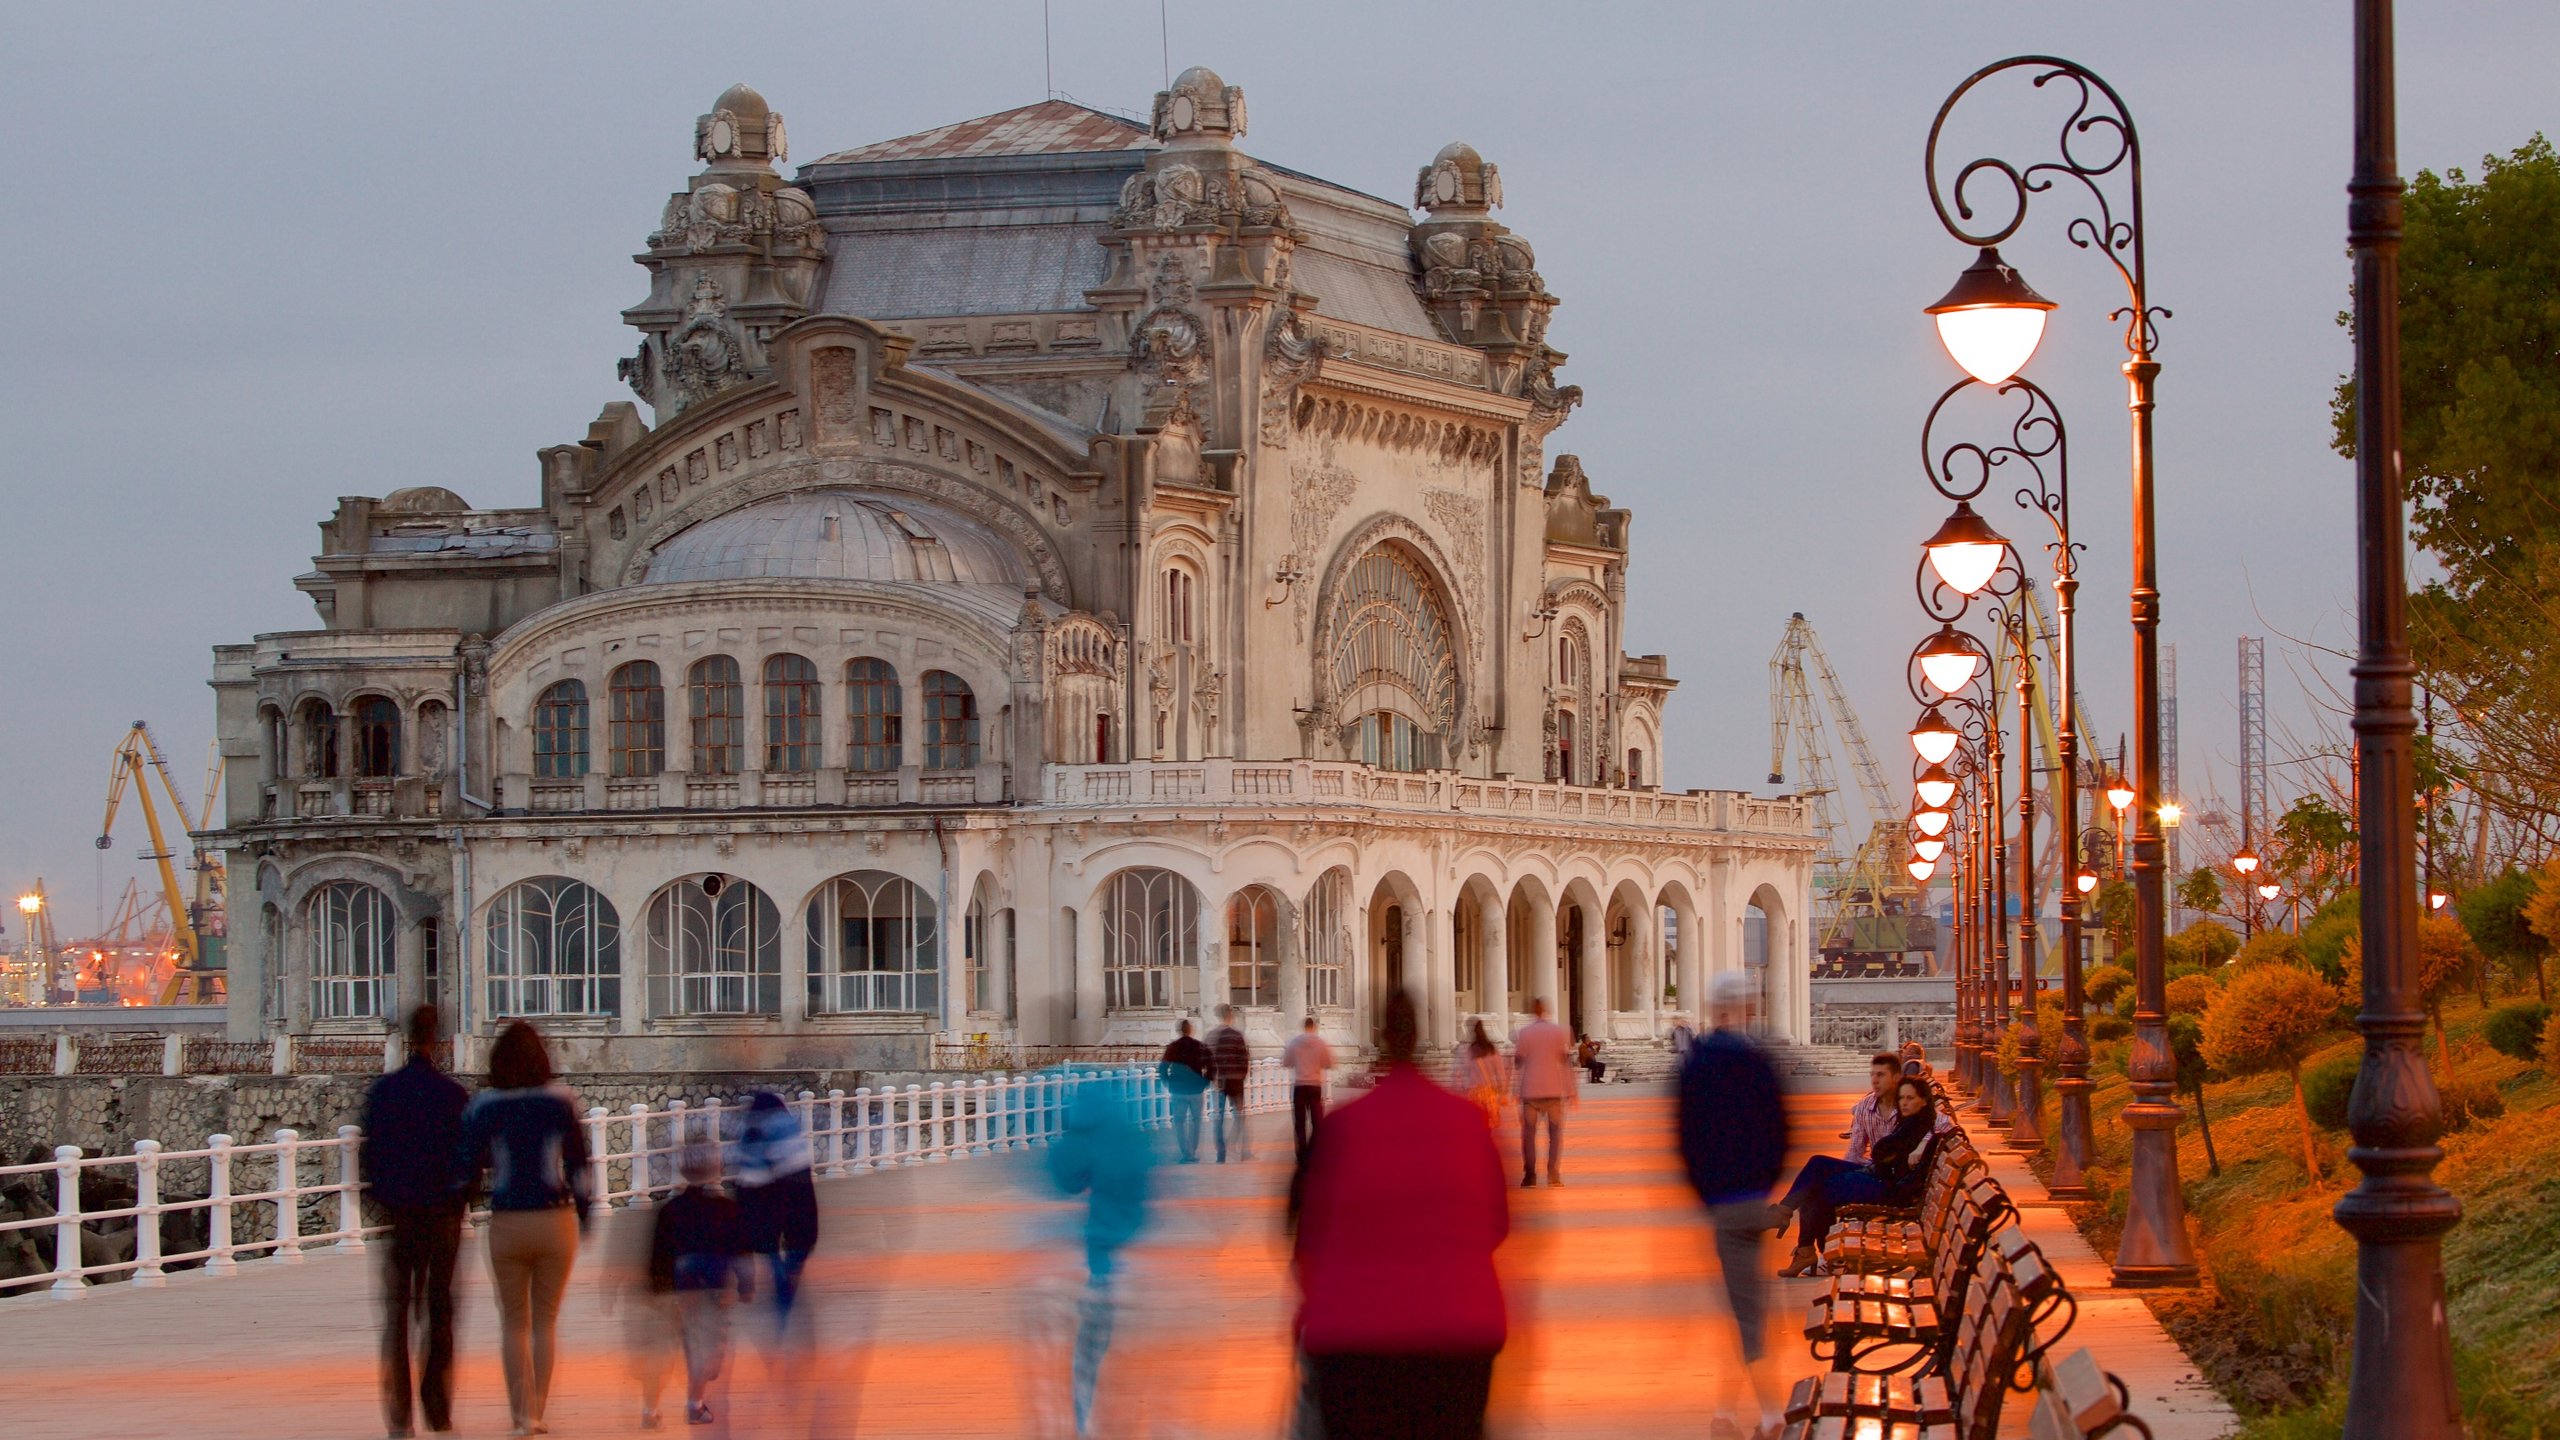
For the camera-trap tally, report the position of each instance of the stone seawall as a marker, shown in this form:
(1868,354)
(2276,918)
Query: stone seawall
(108,1113)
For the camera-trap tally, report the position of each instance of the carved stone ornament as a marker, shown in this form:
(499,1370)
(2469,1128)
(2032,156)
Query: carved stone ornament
(1458,179)
(704,354)
(1288,358)
(1173,195)
(1204,698)
(1198,104)
(1170,347)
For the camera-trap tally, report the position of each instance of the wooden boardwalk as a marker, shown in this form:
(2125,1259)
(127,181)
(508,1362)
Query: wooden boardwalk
(942,1298)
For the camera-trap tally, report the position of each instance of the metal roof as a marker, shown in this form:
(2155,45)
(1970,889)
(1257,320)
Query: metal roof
(841,534)
(1051,127)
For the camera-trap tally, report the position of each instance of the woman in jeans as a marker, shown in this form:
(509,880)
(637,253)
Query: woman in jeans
(523,1131)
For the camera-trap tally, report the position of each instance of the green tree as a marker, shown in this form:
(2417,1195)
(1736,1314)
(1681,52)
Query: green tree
(2269,1018)
(2203,944)
(2446,960)
(2115,912)
(2313,850)
(2201,890)
(2495,914)
(2480,443)
(2186,1041)
(2271,947)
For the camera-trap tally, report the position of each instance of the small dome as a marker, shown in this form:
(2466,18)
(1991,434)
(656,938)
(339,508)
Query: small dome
(1200,79)
(423,500)
(743,102)
(1458,152)
(841,534)
(1458,180)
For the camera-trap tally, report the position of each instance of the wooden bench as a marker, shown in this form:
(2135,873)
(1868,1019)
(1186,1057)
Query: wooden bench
(1904,1319)
(2015,1310)
(1875,1239)
(2075,1400)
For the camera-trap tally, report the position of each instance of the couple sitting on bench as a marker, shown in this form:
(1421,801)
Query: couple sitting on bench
(1893,1135)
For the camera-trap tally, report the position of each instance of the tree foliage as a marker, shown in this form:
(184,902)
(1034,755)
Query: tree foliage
(2106,984)
(2271,947)
(2204,944)
(2190,994)
(2201,890)
(2313,850)
(2480,444)
(2269,1018)
(2498,919)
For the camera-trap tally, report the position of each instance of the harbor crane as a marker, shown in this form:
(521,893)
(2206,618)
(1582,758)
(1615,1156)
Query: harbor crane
(1861,894)
(196,919)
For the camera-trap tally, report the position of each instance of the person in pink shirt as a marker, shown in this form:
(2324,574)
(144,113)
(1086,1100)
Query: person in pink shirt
(1543,1051)
(1308,1057)
(1400,1209)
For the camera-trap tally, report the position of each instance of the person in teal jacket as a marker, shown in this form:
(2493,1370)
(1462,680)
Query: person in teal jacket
(1104,1156)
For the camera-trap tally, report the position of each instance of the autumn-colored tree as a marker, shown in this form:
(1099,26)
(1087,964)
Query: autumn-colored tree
(2269,1018)
(2203,944)
(2498,915)
(2271,947)
(2186,1042)
(2191,994)
(2105,985)
(2446,958)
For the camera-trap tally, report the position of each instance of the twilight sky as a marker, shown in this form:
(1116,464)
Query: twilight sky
(265,255)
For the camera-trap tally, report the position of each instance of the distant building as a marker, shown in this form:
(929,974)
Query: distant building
(1077,575)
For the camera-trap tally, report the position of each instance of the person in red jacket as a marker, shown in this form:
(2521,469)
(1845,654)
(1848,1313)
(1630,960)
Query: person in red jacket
(1401,1207)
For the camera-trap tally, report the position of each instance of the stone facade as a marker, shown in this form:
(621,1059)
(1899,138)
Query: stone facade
(1074,574)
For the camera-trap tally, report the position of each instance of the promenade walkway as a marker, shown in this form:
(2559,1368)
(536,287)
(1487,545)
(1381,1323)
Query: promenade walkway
(943,1305)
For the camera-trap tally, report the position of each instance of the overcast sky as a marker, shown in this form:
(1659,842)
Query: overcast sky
(264,256)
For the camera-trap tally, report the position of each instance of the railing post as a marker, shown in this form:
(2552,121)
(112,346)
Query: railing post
(350,1191)
(173,1054)
(983,1095)
(66,1053)
(288,1188)
(641,1196)
(599,1173)
(147,1273)
(67,1279)
(218,1207)
(281,1063)
(835,1131)
(809,1130)
(394,1050)
(915,1120)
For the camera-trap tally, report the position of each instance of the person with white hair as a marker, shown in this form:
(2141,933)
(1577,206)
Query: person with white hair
(1733,1140)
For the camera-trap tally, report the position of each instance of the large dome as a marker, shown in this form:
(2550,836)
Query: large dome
(839,534)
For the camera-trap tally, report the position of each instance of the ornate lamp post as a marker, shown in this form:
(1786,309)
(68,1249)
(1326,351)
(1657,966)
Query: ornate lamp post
(1945,673)
(2245,864)
(2400,1382)
(2098,147)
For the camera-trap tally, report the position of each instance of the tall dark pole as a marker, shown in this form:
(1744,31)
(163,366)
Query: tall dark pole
(2401,1381)
(2002,1101)
(2026,1122)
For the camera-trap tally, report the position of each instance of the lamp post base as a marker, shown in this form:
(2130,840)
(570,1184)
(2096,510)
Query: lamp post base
(2026,1122)
(2071,1147)
(2156,1251)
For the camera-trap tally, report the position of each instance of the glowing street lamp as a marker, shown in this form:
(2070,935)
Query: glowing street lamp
(1948,661)
(2436,899)
(30,904)
(1991,321)
(1966,552)
(1921,870)
(2270,890)
(2120,795)
(1935,787)
(1929,848)
(2170,814)
(1933,739)
(1930,823)
(2246,862)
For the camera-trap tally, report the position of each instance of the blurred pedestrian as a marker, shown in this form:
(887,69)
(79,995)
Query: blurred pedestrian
(523,1130)
(1543,1053)
(1103,1156)
(1184,1068)
(1479,1073)
(695,1249)
(1232,1062)
(1400,1313)
(411,1148)
(1308,1057)
(1733,1139)
(1683,1035)
(1587,1055)
(777,1192)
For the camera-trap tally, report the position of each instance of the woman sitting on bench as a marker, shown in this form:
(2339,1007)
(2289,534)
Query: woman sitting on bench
(1893,1175)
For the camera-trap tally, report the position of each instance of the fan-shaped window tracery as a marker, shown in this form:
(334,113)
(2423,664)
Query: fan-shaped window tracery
(1394,641)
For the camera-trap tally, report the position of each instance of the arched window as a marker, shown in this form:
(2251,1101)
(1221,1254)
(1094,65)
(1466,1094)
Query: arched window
(872,702)
(1178,625)
(1324,939)
(950,722)
(1150,941)
(715,948)
(350,925)
(718,702)
(1253,947)
(560,732)
(977,953)
(792,728)
(1392,742)
(1635,769)
(319,741)
(639,737)
(873,946)
(1102,739)
(1393,646)
(555,948)
(377,738)
(1466,953)
(1564,747)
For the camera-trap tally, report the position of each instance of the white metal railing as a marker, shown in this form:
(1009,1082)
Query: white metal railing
(279,1198)
(1319,781)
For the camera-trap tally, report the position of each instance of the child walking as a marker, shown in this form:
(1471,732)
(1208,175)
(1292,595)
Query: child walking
(693,1257)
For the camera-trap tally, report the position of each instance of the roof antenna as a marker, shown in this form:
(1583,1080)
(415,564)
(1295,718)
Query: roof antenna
(1164,33)
(1048,70)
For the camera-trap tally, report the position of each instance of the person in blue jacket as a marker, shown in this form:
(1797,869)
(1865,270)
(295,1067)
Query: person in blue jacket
(1733,1141)
(1103,1156)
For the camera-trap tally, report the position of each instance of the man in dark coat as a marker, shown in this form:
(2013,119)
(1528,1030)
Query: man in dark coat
(1733,1139)
(1185,1068)
(411,1158)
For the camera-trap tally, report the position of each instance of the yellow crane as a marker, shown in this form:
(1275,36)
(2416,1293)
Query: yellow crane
(199,973)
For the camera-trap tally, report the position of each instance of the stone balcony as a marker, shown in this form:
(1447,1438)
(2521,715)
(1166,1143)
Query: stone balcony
(1249,783)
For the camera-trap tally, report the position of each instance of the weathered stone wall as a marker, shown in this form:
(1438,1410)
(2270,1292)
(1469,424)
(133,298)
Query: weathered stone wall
(109,1113)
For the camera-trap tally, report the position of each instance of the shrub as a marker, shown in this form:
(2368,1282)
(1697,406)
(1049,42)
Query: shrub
(2105,983)
(2516,1030)
(2271,947)
(2269,1018)
(2203,944)
(2445,960)
(2110,1027)
(2469,1100)
(2551,1042)
(2327,1086)
(2325,933)
(2191,994)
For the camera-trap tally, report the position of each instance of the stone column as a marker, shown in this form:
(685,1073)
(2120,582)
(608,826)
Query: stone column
(1088,957)
(1690,961)
(1541,943)
(1596,1000)
(408,971)
(1494,993)
(1649,964)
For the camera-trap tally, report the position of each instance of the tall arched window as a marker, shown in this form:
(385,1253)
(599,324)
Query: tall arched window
(950,722)
(377,738)
(1635,769)
(792,729)
(319,741)
(639,737)
(872,703)
(1253,947)
(1324,939)
(1178,624)
(350,925)
(555,948)
(718,702)
(1391,742)
(873,946)
(1564,748)
(1394,649)
(715,948)
(1150,938)
(560,732)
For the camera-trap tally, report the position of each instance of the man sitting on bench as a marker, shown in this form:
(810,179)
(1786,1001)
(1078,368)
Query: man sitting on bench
(1884,1169)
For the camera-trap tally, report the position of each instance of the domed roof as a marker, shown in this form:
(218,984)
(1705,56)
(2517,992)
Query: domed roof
(742,101)
(841,534)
